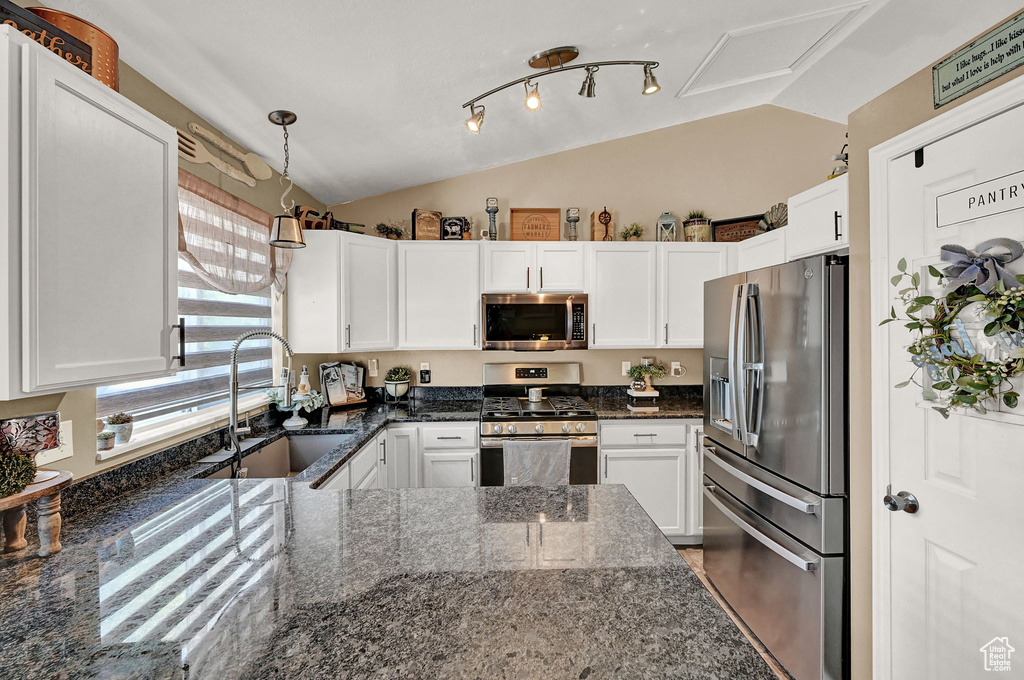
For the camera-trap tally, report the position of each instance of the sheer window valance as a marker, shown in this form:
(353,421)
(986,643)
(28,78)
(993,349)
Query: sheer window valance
(226,241)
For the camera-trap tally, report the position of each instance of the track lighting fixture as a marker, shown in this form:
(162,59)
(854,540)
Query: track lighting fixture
(650,82)
(587,89)
(475,120)
(554,61)
(532,97)
(285,232)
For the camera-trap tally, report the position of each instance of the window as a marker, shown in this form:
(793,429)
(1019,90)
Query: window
(226,271)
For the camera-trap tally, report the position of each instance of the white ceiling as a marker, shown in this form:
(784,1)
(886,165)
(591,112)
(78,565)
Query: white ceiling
(379,86)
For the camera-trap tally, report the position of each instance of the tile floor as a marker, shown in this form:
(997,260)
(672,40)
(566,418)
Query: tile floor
(694,557)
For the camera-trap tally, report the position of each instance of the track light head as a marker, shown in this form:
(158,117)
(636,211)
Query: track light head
(532,97)
(587,89)
(475,120)
(650,82)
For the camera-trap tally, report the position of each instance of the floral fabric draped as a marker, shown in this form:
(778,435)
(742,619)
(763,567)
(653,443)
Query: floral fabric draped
(226,240)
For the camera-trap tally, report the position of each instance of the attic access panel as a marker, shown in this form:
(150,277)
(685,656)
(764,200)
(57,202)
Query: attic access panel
(767,51)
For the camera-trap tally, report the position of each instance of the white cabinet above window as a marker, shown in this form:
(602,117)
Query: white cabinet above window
(342,293)
(88,232)
(533,267)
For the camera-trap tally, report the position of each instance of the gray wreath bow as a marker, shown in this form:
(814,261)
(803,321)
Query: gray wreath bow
(981,267)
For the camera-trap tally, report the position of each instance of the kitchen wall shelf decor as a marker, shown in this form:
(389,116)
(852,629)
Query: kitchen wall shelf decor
(76,52)
(535,224)
(452,228)
(737,228)
(426,225)
(104,64)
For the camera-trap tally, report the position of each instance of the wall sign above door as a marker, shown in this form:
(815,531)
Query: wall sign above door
(999,195)
(999,51)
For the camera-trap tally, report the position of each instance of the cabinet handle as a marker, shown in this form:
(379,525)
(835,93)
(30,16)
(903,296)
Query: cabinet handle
(836,220)
(449,437)
(472,471)
(474,335)
(384,444)
(649,434)
(348,336)
(666,334)
(181,342)
(542,278)
(593,332)
(527,278)
(606,466)
(527,534)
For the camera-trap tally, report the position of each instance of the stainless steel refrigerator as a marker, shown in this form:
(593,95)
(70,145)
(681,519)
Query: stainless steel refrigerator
(775,458)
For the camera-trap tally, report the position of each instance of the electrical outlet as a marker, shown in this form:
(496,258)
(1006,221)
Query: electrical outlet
(677,370)
(425,366)
(65,450)
(372,368)
(625,367)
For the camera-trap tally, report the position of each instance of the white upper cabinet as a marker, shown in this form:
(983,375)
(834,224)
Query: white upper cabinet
(682,270)
(342,293)
(533,267)
(88,229)
(818,219)
(439,295)
(763,250)
(623,295)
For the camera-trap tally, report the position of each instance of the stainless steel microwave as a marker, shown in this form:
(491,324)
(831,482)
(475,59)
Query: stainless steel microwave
(534,322)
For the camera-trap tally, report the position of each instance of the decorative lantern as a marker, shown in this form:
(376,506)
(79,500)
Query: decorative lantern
(667,224)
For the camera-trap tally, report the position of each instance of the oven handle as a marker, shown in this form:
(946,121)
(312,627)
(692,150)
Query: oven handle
(777,548)
(499,442)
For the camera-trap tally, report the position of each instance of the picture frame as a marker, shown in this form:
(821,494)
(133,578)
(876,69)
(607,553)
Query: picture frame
(736,229)
(535,224)
(426,225)
(452,228)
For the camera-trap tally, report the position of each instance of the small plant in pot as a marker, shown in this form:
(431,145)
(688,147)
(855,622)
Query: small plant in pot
(643,374)
(121,425)
(105,440)
(396,381)
(697,227)
(389,230)
(17,471)
(632,233)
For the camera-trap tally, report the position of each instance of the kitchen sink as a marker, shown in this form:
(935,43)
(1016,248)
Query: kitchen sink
(286,457)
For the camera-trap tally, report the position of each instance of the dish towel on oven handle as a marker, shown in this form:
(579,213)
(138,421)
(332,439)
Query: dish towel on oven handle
(536,463)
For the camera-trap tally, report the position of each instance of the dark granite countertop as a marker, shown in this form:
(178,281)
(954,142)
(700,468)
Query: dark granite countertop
(614,408)
(253,579)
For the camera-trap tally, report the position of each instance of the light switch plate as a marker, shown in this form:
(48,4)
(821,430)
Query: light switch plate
(625,367)
(425,366)
(677,370)
(65,450)
(372,368)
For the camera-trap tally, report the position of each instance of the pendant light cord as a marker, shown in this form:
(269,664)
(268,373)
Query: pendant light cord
(284,174)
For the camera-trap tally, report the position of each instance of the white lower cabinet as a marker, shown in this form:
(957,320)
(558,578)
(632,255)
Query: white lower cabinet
(651,458)
(451,468)
(340,480)
(366,466)
(402,457)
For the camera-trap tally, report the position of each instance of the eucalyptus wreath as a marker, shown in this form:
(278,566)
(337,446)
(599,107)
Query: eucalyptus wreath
(959,376)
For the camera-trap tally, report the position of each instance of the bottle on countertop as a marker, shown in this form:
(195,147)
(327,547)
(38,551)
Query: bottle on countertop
(304,381)
(282,391)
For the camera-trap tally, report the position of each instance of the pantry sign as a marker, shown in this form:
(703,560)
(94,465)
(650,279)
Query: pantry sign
(999,195)
(999,51)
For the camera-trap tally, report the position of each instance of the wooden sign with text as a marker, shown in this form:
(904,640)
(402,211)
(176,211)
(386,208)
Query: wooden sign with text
(997,52)
(64,45)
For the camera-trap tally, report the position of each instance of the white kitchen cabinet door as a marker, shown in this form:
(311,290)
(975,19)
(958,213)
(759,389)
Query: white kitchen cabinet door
(339,481)
(509,267)
(818,219)
(316,309)
(763,250)
(450,468)
(365,466)
(370,284)
(560,268)
(439,295)
(402,452)
(90,221)
(694,484)
(623,295)
(656,477)
(682,270)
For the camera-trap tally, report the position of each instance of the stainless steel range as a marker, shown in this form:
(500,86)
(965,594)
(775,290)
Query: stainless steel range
(536,401)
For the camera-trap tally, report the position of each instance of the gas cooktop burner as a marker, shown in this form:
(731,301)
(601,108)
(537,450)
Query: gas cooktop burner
(562,406)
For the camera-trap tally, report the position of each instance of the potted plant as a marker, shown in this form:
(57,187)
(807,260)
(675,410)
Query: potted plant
(697,227)
(396,381)
(632,233)
(105,440)
(121,425)
(646,373)
(389,230)
(16,472)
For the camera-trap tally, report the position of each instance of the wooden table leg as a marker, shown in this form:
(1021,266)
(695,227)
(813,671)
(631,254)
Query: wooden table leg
(49,524)
(14,529)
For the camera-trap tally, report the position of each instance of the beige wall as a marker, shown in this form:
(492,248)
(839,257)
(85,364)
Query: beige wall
(80,406)
(731,165)
(896,111)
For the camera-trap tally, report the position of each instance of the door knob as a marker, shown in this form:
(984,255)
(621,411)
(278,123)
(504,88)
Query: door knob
(904,501)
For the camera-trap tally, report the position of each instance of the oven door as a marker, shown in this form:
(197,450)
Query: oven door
(534,322)
(582,459)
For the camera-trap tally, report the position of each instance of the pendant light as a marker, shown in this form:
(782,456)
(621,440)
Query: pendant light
(286,231)
(650,82)
(475,120)
(532,97)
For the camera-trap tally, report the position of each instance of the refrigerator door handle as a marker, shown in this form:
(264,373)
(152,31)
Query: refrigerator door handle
(777,548)
(739,350)
(752,414)
(734,366)
(763,487)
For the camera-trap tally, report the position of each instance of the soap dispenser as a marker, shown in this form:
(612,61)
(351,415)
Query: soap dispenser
(304,381)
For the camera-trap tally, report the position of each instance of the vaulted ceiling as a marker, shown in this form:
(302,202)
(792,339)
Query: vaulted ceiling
(379,86)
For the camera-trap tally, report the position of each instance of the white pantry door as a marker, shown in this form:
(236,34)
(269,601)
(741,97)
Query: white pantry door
(954,568)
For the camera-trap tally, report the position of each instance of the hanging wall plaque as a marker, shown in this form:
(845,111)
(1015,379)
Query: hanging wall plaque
(997,52)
